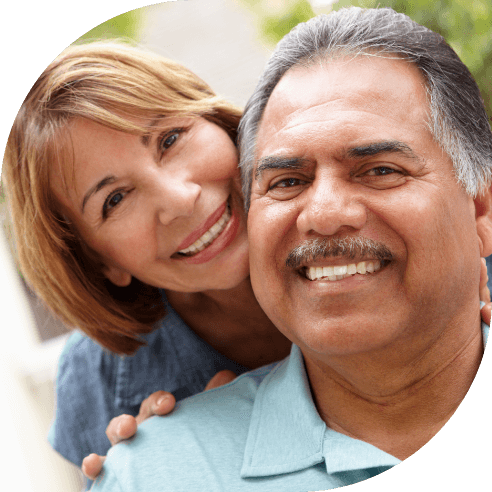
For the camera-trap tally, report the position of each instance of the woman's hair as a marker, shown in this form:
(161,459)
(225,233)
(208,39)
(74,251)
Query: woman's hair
(458,119)
(115,85)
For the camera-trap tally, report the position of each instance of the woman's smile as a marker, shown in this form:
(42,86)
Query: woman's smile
(204,235)
(214,243)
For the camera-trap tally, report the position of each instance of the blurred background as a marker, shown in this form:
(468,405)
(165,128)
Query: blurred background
(226,42)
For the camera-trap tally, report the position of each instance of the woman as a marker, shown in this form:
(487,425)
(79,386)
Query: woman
(121,174)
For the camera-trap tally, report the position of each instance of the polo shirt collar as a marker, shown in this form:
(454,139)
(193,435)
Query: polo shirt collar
(286,433)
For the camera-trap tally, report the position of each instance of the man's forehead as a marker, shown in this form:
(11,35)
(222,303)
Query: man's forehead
(364,84)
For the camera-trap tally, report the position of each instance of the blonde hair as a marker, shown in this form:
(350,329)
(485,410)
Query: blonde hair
(115,85)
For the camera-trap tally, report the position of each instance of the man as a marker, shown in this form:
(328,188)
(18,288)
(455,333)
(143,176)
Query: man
(366,161)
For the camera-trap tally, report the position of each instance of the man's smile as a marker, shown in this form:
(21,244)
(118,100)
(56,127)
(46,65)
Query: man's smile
(339,272)
(357,252)
(337,258)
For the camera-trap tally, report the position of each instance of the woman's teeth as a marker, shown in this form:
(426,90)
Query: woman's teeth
(333,273)
(213,233)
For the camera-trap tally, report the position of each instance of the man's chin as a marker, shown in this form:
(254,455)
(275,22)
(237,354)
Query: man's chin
(342,335)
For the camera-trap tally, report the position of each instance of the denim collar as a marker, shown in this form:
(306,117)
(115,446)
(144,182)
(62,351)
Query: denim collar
(175,359)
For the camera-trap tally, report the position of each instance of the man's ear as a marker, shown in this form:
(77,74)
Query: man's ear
(117,276)
(483,218)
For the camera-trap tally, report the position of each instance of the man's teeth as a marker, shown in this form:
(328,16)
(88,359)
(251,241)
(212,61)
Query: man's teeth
(343,271)
(207,238)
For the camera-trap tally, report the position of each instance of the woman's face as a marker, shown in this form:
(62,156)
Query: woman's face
(165,208)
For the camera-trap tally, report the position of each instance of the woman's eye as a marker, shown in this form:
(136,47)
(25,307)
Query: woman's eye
(169,139)
(112,201)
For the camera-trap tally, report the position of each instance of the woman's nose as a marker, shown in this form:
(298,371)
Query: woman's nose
(176,197)
(331,204)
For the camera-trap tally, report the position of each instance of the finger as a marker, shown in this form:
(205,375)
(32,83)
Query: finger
(485,294)
(158,403)
(486,313)
(221,378)
(92,465)
(121,428)
(484,277)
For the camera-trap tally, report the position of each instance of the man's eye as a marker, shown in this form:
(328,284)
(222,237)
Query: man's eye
(383,177)
(381,171)
(287,183)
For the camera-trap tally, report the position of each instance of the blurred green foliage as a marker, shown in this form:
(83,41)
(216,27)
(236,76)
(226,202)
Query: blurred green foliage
(125,26)
(275,28)
(465,24)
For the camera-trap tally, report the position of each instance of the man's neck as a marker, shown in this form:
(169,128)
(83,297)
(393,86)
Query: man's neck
(232,322)
(399,408)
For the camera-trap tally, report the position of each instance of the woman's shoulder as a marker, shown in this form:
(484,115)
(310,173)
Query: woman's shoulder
(84,398)
(81,353)
(83,356)
(77,344)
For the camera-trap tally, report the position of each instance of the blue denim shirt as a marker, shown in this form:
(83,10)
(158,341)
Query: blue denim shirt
(94,385)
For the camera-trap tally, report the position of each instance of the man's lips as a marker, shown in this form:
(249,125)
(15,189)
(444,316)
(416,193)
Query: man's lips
(336,251)
(197,233)
(342,270)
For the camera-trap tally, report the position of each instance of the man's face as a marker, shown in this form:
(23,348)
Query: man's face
(344,152)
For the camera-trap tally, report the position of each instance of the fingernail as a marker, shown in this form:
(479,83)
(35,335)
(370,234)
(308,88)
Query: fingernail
(162,400)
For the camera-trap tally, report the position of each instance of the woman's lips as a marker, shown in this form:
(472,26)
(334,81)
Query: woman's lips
(197,233)
(221,243)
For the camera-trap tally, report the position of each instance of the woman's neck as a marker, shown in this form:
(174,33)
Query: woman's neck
(233,323)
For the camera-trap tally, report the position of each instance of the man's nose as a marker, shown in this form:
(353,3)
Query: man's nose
(175,197)
(331,203)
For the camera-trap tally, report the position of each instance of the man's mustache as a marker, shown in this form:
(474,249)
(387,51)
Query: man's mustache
(347,247)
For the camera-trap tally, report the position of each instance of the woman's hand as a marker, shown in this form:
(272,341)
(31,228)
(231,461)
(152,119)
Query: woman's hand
(485,294)
(125,426)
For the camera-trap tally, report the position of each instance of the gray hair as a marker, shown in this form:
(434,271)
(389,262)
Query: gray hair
(458,120)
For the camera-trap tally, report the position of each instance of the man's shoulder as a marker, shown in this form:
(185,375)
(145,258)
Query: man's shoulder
(232,401)
(211,427)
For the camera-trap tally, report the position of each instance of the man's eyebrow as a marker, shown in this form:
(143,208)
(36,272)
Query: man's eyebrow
(384,147)
(97,187)
(359,152)
(279,162)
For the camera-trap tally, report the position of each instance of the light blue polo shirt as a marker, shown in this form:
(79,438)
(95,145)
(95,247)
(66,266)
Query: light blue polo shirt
(260,433)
